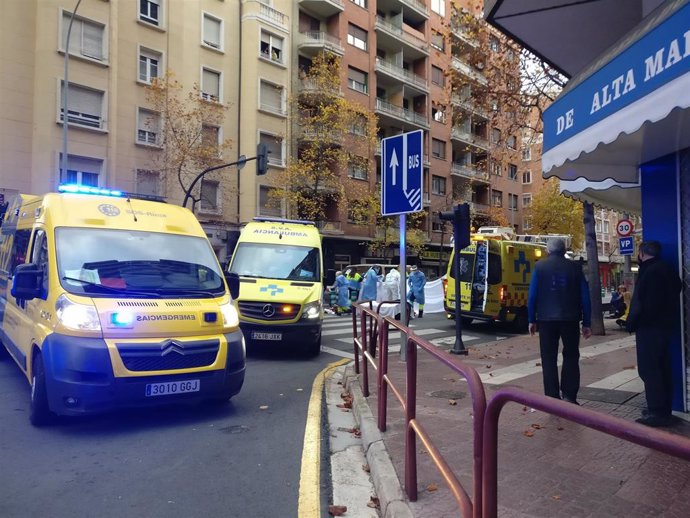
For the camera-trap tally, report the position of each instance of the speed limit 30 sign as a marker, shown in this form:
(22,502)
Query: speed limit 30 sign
(624,228)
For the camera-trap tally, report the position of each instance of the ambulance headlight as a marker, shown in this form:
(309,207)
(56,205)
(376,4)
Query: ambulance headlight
(79,317)
(312,310)
(230,316)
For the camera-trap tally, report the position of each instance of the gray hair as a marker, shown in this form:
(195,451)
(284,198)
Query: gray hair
(651,248)
(555,245)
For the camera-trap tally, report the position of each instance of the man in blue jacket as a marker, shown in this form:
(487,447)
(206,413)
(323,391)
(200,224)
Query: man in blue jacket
(558,300)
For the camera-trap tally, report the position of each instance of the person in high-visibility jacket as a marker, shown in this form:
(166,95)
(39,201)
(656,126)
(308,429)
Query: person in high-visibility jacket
(416,282)
(341,288)
(354,281)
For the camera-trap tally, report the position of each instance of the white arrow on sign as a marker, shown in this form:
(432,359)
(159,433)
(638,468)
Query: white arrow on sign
(394,166)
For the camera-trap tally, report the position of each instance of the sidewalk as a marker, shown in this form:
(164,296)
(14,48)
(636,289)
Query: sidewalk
(548,467)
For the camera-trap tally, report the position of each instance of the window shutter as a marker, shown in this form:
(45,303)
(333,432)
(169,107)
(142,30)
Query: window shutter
(92,41)
(211,83)
(209,195)
(148,182)
(75,35)
(148,121)
(84,164)
(271,97)
(83,100)
(212,32)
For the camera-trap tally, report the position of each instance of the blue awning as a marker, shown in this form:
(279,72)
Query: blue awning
(631,106)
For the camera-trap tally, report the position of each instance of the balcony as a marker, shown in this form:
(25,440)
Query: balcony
(399,73)
(467,137)
(464,36)
(330,227)
(268,14)
(323,8)
(323,135)
(418,7)
(481,208)
(470,172)
(427,200)
(385,108)
(309,86)
(468,71)
(314,41)
(470,106)
(398,33)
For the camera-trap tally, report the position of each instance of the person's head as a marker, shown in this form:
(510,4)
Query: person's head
(338,273)
(622,288)
(555,246)
(413,268)
(649,250)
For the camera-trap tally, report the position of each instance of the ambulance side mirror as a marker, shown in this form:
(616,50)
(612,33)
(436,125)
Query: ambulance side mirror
(233,281)
(26,284)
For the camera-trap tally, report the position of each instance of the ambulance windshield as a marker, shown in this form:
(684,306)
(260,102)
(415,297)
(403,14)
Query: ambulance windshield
(99,262)
(270,261)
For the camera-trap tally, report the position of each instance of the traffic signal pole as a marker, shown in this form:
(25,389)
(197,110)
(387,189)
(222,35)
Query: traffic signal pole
(460,216)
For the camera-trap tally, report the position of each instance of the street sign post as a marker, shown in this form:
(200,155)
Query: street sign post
(626,245)
(624,228)
(402,192)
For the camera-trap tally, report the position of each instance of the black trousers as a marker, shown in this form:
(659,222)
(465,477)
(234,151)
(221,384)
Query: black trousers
(549,335)
(654,366)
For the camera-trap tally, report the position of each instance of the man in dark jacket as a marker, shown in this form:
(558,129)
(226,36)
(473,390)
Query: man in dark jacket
(654,313)
(558,300)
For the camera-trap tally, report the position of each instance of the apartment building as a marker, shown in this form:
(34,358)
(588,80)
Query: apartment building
(246,55)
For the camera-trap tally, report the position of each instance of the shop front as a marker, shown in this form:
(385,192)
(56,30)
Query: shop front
(623,117)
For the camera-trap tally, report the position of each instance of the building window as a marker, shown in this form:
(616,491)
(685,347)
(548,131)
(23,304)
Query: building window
(439,7)
(271,98)
(495,135)
(210,85)
(526,153)
(357,80)
(606,226)
(212,31)
(210,190)
(512,172)
(149,65)
(268,206)
(85,106)
(495,168)
(494,44)
(275,148)
(86,38)
(512,201)
(497,198)
(437,76)
(148,127)
(437,41)
(438,113)
(438,185)
(357,168)
(526,223)
(526,200)
(438,148)
(527,177)
(359,127)
(356,36)
(511,142)
(210,139)
(148,182)
(361,3)
(149,11)
(598,226)
(82,170)
(271,47)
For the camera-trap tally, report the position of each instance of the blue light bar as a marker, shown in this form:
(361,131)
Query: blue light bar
(85,189)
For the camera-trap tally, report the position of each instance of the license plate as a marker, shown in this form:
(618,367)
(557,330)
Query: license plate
(172,387)
(256,335)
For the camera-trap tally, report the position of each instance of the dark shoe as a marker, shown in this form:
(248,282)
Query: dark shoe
(421,313)
(654,420)
(571,400)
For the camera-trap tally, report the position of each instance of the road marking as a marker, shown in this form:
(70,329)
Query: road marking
(331,332)
(618,380)
(338,352)
(524,369)
(396,335)
(309,503)
(450,340)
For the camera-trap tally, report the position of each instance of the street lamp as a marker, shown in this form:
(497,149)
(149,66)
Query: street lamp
(65,94)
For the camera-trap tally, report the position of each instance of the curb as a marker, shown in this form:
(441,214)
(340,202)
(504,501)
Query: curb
(391,497)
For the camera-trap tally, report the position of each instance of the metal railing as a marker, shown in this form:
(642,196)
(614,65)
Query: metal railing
(322,39)
(468,71)
(400,73)
(400,112)
(469,172)
(373,334)
(465,135)
(374,330)
(309,85)
(272,15)
(398,32)
(468,104)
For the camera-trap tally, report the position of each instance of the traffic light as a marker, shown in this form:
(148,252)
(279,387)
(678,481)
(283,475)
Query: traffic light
(460,216)
(261,159)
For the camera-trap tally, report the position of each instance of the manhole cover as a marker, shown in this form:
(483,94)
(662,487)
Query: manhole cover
(448,394)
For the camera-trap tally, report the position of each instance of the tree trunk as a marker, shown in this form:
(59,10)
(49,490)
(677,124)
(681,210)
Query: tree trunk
(593,270)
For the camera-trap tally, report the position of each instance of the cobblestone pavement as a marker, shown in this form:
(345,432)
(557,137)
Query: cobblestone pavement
(548,467)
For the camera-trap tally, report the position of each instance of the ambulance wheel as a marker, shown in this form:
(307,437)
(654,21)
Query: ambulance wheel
(521,322)
(313,349)
(39,413)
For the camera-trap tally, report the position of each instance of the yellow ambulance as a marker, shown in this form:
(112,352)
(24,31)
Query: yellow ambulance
(494,280)
(280,266)
(108,301)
